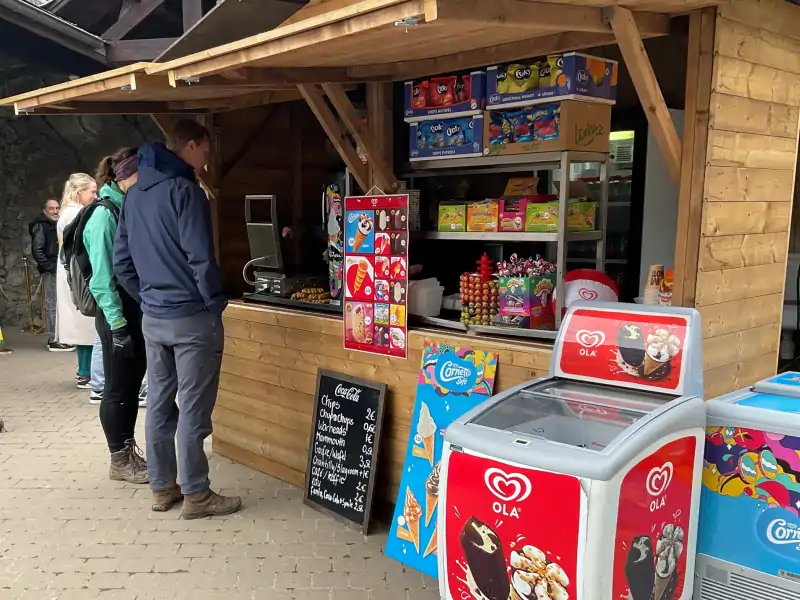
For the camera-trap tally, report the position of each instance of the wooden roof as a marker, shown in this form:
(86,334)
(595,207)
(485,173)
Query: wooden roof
(130,90)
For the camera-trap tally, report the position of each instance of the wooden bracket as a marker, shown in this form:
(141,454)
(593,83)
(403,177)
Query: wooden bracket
(336,132)
(384,178)
(644,80)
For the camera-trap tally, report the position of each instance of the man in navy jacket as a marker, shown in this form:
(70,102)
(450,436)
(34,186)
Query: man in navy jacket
(164,256)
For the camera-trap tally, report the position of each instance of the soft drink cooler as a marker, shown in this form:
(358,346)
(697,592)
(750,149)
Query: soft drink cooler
(749,543)
(584,484)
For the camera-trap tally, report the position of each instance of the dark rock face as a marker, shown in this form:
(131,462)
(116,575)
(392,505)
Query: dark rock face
(37,154)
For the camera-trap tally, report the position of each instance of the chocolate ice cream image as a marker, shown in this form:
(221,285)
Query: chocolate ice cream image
(534,577)
(483,552)
(639,568)
(630,343)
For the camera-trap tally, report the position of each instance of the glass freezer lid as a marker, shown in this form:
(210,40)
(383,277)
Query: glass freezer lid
(576,414)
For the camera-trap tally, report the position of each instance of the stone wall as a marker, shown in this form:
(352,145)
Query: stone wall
(37,154)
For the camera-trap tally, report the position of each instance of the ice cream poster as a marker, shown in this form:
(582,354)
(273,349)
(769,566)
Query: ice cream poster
(750,507)
(653,534)
(634,349)
(376,274)
(511,532)
(451,382)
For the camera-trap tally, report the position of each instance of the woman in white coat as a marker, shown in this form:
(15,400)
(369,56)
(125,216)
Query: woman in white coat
(73,328)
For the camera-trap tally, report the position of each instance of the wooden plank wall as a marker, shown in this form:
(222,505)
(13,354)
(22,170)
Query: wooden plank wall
(263,414)
(748,190)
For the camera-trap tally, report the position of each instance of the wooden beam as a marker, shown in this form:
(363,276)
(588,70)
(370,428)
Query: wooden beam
(384,177)
(113,108)
(550,44)
(255,136)
(192,13)
(542,16)
(128,51)
(133,13)
(166,123)
(254,77)
(647,88)
(380,123)
(336,133)
(238,102)
(699,66)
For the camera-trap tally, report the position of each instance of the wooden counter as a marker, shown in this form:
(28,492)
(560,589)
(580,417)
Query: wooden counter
(263,414)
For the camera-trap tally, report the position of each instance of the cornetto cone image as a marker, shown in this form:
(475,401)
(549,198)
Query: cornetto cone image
(640,568)
(485,559)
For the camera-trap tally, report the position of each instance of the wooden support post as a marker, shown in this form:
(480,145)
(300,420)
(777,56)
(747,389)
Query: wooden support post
(384,177)
(192,13)
(646,84)
(131,15)
(336,132)
(380,124)
(693,159)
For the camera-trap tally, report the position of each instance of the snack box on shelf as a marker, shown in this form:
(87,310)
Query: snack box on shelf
(567,125)
(450,96)
(544,216)
(529,298)
(483,216)
(572,75)
(512,214)
(446,138)
(452,217)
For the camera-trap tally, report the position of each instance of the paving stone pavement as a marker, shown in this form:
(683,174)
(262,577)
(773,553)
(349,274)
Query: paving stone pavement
(69,533)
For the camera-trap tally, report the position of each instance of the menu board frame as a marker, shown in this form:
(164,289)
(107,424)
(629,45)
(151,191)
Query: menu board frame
(376,444)
(375,274)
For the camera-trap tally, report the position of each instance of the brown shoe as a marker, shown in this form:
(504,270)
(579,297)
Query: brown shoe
(165,499)
(128,465)
(209,504)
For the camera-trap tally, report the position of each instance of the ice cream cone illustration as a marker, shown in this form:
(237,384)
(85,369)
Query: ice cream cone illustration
(364,228)
(363,266)
(668,551)
(411,513)
(650,365)
(426,429)
(431,494)
(433,543)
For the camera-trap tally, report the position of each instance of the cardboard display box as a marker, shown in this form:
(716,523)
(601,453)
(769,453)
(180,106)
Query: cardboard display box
(419,105)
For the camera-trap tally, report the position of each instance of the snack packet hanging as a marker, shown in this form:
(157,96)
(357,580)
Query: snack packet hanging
(499,129)
(419,94)
(441,91)
(463,88)
(520,130)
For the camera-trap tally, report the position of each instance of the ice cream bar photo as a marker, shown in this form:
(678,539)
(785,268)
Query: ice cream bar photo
(483,552)
(640,568)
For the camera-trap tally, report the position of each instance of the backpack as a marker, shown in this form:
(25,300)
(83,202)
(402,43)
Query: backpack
(75,258)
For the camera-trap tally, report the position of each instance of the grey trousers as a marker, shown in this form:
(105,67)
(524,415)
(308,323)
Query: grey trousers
(184,357)
(49,291)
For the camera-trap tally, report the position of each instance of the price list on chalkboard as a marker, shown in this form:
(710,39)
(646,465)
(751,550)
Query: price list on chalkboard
(343,450)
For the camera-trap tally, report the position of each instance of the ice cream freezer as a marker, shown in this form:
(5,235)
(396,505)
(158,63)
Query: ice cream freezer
(584,484)
(749,541)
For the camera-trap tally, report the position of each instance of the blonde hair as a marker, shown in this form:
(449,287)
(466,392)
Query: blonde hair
(75,183)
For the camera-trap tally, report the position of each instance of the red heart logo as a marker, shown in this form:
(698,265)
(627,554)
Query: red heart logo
(587,294)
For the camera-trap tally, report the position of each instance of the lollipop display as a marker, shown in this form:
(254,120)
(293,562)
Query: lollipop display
(480,300)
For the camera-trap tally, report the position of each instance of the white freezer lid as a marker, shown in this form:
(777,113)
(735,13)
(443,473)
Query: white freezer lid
(772,405)
(576,428)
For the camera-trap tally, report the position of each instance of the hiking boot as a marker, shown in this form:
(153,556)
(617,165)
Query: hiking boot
(166,499)
(209,504)
(128,464)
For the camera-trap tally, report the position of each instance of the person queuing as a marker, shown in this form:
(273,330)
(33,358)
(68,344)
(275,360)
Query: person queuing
(72,327)
(118,322)
(178,280)
(44,247)
(98,378)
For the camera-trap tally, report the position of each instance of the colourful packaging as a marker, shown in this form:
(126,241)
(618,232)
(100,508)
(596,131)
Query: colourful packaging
(499,129)
(544,216)
(441,91)
(521,186)
(557,77)
(454,133)
(512,215)
(452,217)
(520,130)
(529,298)
(483,216)
(518,77)
(433,134)
(419,94)
(463,88)
(543,121)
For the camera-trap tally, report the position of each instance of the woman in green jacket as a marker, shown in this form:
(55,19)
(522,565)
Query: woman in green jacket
(118,323)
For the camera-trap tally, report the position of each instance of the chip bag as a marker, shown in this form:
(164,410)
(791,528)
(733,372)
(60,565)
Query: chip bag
(454,133)
(557,76)
(441,91)
(434,134)
(419,94)
(499,129)
(520,130)
(521,77)
(463,88)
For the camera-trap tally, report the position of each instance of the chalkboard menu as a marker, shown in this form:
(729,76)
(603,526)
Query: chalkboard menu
(343,450)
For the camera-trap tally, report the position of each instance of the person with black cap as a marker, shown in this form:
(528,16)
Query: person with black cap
(118,322)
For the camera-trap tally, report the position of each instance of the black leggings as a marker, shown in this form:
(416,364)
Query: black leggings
(120,405)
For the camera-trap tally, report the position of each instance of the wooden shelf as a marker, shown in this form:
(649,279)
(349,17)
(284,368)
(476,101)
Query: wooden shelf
(510,236)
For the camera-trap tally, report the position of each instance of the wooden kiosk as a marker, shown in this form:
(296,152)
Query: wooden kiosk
(735,166)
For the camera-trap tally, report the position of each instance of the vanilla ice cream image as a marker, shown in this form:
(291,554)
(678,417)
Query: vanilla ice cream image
(426,429)
(534,577)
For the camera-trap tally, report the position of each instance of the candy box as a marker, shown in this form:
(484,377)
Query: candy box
(452,217)
(446,138)
(528,297)
(512,214)
(483,216)
(521,186)
(544,216)
(452,96)
(568,76)
(568,125)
